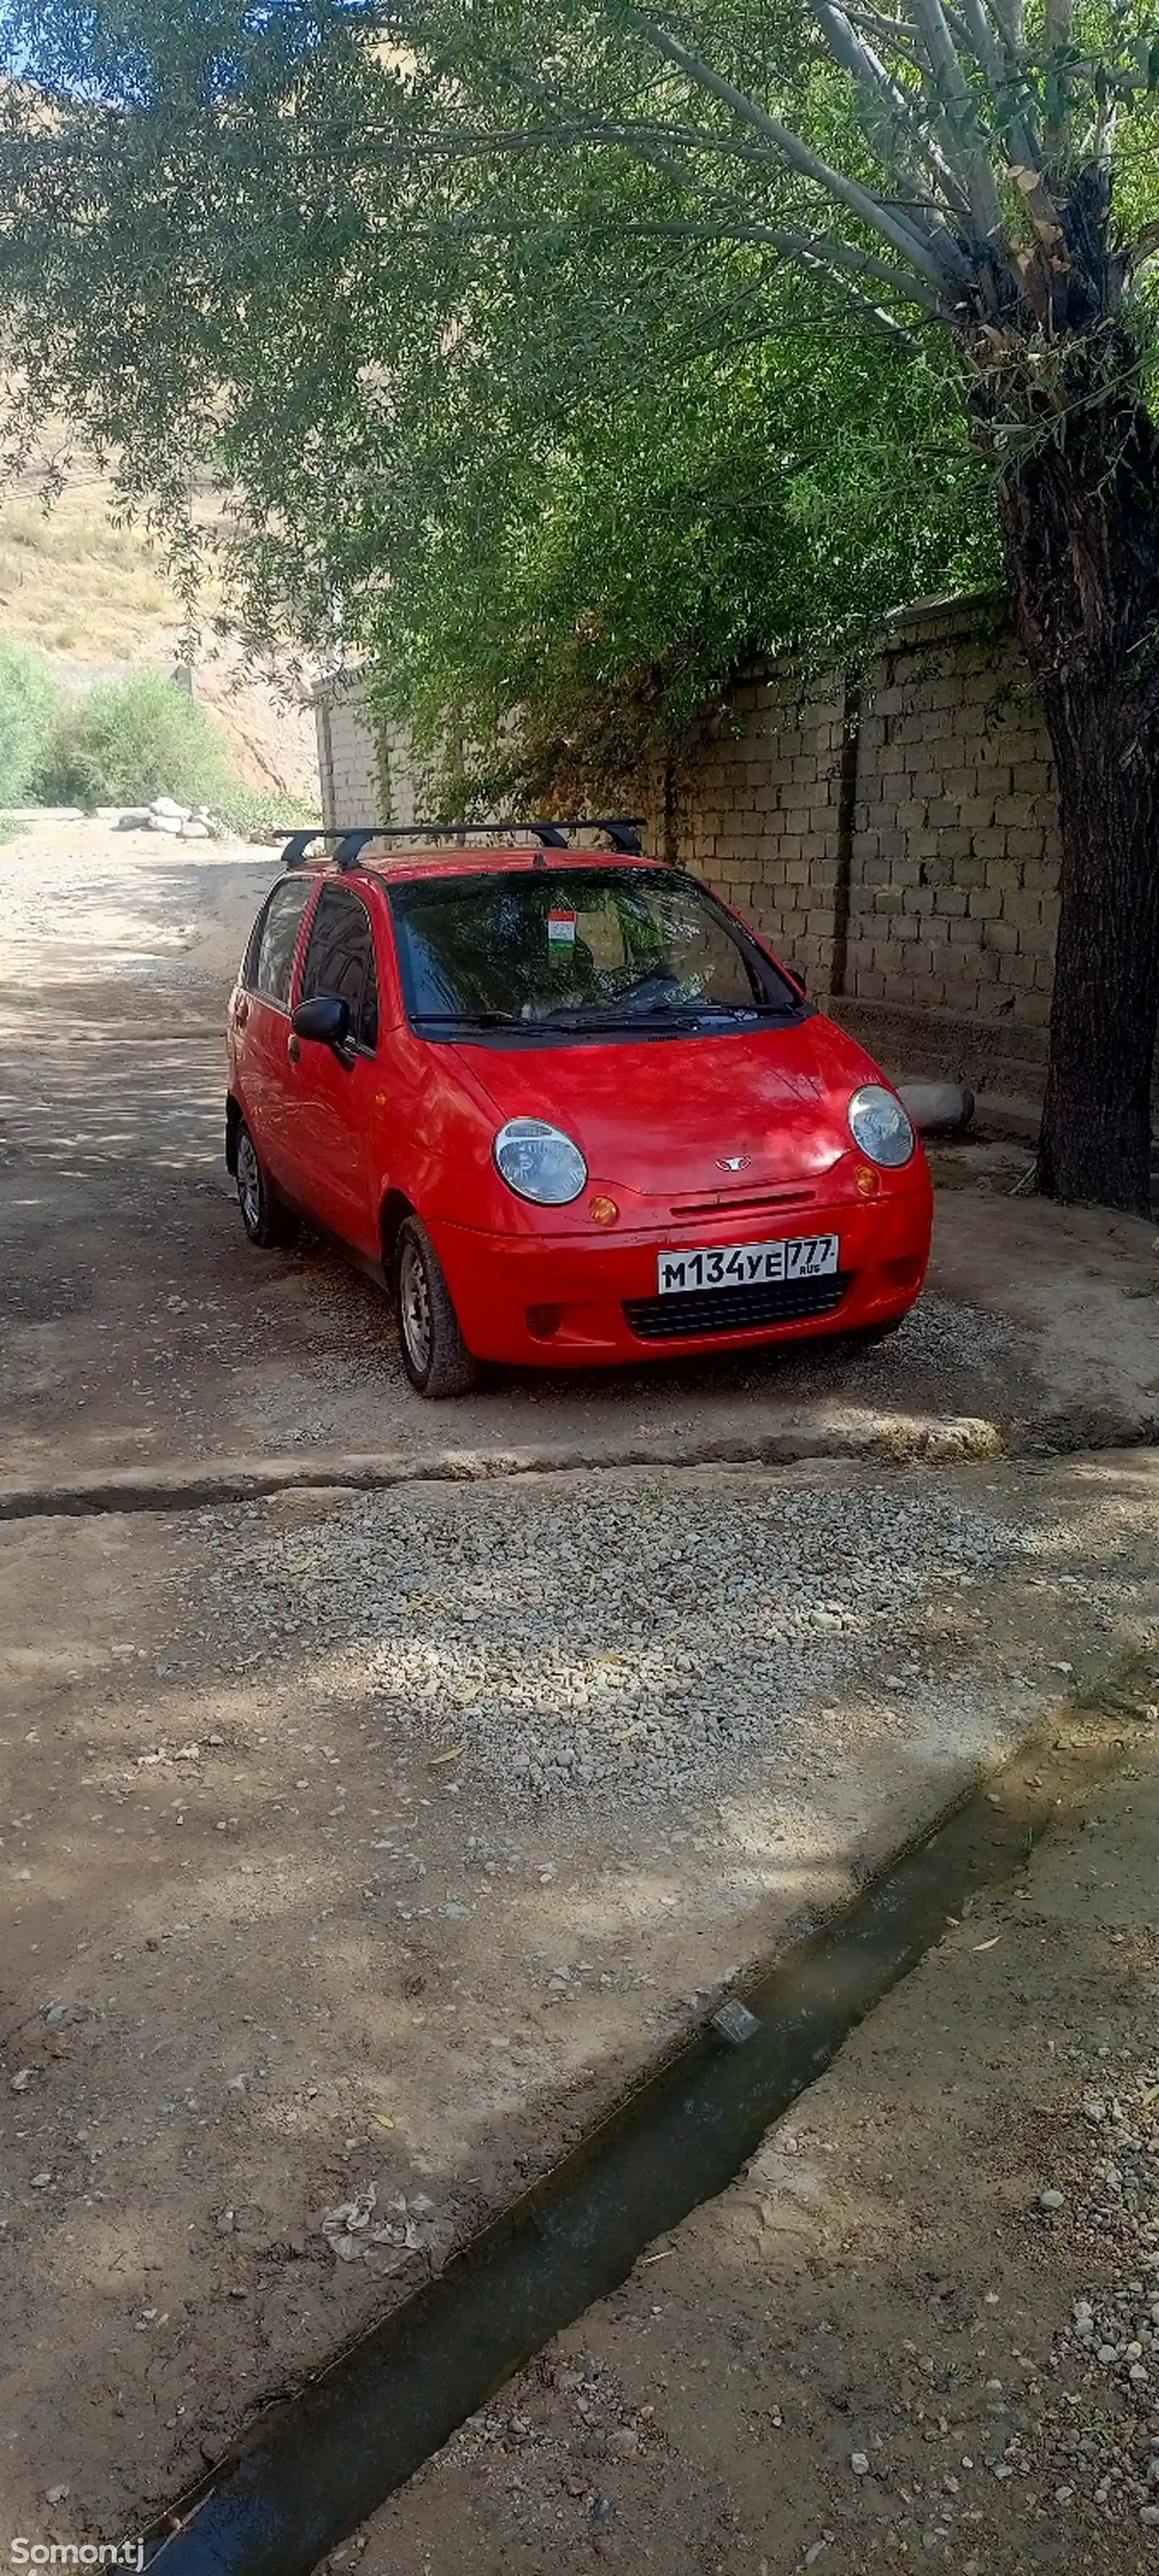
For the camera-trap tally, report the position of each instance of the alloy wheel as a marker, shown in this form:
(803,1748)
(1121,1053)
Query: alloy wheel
(415,1308)
(249,1181)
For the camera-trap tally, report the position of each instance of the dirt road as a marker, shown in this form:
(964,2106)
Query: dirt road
(142,1328)
(922,2329)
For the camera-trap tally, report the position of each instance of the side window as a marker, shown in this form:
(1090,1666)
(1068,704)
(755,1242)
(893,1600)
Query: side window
(340,959)
(269,959)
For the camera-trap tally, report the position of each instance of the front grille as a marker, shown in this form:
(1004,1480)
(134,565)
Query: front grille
(735,1310)
(747,1204)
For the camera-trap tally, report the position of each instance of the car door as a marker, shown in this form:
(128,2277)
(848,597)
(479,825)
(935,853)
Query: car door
(331,1094)
(261,1023)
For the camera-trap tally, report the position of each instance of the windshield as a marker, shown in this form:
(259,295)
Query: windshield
(575,950)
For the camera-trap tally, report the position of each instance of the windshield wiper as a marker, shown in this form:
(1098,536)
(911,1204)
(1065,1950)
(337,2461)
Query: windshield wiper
(470,1019)
(687,1015)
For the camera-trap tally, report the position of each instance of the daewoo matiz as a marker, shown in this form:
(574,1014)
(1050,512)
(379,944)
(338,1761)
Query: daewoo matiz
(566,1104)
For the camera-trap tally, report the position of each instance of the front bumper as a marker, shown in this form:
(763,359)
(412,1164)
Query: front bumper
(558,1302)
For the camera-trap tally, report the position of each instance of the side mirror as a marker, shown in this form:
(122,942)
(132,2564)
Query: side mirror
(325,1019)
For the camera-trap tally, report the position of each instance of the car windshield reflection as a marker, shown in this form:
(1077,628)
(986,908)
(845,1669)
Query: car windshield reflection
(569,951)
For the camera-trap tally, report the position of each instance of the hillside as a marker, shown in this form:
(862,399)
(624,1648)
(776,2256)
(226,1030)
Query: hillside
(97,601)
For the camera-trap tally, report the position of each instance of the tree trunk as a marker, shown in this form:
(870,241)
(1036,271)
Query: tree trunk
(1081,517)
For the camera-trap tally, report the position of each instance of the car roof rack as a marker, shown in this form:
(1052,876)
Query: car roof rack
(623,831)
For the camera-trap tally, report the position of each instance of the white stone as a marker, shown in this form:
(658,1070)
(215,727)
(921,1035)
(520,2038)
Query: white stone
(933,1105)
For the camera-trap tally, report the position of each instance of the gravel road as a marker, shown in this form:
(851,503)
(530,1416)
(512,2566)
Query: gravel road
(612,1641)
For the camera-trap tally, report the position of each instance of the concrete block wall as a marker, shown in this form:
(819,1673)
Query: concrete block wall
(896,841)
(759,814)
(953,898)
(365,777)
(348,759)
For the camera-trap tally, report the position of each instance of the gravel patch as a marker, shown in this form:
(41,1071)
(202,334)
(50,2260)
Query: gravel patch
(940,1333)
(630,1642)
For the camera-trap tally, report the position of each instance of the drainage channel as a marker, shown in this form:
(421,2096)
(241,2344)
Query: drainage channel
(308,2472)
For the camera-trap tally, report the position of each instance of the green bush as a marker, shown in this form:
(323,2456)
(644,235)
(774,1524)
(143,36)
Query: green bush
(127,741)
(31,705)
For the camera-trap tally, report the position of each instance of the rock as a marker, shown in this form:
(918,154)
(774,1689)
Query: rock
(734,2023)
(170,823)
(194,830)
(55,2495)
(1052,2200)
(165,805)
(1149,2513)
(938,1107)
(21,2081)
(133,818)
(859,2463)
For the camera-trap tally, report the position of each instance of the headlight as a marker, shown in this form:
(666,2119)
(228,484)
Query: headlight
(878,1124)
(540,1162)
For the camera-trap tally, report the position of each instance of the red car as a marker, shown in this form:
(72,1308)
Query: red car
(567,1104)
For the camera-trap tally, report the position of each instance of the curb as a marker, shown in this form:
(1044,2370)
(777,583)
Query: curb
(247,1479)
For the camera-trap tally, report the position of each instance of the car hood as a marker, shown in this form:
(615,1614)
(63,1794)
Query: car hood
(666,1116)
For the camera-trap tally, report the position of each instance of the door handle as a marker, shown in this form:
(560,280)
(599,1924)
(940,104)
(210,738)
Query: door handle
(294,1051)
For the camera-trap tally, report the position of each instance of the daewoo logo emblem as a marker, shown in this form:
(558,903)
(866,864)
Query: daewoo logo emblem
(732,1162)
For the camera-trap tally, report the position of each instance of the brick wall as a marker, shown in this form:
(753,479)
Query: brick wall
(759,815)
(365,778)
(897,841)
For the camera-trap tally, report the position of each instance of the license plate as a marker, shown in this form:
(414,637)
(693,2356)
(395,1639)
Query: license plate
(747,1265)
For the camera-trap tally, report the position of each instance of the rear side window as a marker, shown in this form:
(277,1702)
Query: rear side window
(340,960)
(269,959)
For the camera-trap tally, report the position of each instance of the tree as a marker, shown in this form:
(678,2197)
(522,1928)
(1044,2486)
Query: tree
(702,498)
(969,183)
(977,194)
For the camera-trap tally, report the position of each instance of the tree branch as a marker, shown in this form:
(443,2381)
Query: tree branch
(959,97)
(940,266)
(1059,25)
(900,112)
(1003,73)
(858,263)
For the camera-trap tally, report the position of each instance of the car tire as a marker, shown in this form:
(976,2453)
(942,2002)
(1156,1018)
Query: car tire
(434,1354)
(269,1224)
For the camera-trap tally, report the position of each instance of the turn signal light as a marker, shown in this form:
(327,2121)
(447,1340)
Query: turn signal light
(603,1211)
(868,1182)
